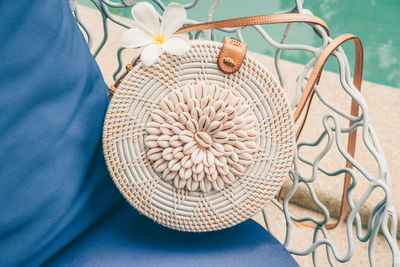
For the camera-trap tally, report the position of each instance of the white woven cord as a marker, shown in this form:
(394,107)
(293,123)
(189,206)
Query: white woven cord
(124,135)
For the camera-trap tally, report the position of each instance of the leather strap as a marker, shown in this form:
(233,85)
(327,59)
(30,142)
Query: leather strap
(255,20)
(306,97)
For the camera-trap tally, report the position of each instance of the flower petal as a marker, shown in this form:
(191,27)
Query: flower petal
(176,45)
(150,54)
(173,18)
(146,16)
(135,37)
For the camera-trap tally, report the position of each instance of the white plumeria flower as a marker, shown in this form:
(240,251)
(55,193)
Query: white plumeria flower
(148,32)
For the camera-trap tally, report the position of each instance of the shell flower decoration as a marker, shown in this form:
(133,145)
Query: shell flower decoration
(202,138)
(153,36)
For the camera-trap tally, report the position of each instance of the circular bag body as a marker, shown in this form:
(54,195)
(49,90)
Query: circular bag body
(193,148)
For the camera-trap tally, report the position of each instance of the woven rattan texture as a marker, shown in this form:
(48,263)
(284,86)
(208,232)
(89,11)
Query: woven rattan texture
(124,132)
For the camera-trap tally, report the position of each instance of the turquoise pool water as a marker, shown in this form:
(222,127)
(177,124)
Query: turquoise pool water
(377,22)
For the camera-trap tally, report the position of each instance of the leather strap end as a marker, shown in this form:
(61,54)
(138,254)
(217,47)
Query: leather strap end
(231,56)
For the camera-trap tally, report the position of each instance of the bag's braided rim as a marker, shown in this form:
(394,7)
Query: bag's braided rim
(125,152)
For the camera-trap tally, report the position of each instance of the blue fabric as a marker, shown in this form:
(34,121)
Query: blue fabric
(53,180)
(125,238)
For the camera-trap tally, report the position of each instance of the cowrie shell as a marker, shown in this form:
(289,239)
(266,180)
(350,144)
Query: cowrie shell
(228,126)
(169,175)
(189,148)
(209,112)
(185,173)
(199,168)
(165,129)
(224,95)
(221,117)
(240,146)
(158,116)
(204,122)
(174,165)
(220,161)
(221,137)
(251,144)
(245,156)
(238,120)
(234,157)
(219,106)
(229,178)
(175,141)
(212,169)
(237,169)
(184,117)
(181,107)
(179,183)
(160,165)
(192,185)
(196,113)
(244,162)
(177,128)
(235,102)
(223,170)
(208,158)
(176,97)
(178,155)
(198,176)
(251,133)
(232,138)
(186,93)
(205,102)
(192,125)
(205,186)
(151,141)
(249,120)
(186,136)
(228,149)
(230,112)
(153,128)
(193,103)
(163,141)
(215,127)
(203,139)
(154,153)
(186,162)
(198,90)
(219,147)
(242,110)
(166,106)
(177,149)
(167,153)
(197,156)
(218,184)
(171,117)
(214,176)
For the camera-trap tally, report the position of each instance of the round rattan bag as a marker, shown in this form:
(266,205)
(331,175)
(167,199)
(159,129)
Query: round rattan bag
(196,149)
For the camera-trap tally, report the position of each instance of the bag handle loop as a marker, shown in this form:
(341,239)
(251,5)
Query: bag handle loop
(307,96)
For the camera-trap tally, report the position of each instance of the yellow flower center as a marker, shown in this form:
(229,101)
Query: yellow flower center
(159,38)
